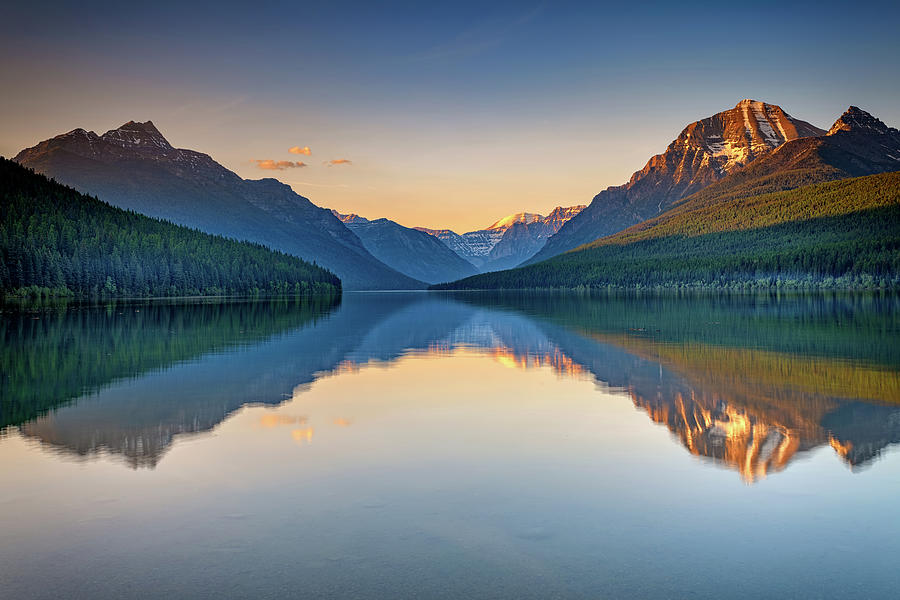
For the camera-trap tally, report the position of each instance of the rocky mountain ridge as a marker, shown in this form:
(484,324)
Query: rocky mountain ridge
(135,167)
(704,152)
(857,144)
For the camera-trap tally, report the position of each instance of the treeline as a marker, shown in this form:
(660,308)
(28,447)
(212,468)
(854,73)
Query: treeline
(55,241)
(843,234)
(704,213)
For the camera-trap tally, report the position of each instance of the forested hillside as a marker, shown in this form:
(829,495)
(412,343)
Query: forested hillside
(134,167)
(56,241)
(843,234)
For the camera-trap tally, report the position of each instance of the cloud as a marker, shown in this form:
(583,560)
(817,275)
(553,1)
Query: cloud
(277,165)
(298,150)
(338,161)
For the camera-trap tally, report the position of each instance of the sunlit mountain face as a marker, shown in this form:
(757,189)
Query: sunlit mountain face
(746,382)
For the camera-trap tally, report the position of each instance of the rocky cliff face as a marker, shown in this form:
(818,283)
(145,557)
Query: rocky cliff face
(473,246)
(855,120)
(136,168)
(704,152)
(857,144)
(479,244)
(868,145)
(560,215)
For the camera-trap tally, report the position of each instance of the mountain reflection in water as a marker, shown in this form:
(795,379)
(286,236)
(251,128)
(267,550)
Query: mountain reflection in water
(750,382)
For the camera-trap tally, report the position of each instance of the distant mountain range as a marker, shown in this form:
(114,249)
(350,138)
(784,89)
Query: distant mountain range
(509,241)
(442,255)
(135,167)
(794,216)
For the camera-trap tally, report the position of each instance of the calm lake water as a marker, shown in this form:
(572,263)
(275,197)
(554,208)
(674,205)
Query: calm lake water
(450,446)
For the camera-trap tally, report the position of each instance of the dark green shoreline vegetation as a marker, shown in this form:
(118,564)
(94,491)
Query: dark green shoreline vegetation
(56,242)
(52,356)
(837,235)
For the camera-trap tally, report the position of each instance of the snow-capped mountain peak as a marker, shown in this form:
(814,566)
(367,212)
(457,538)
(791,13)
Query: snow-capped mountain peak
(349,218)
(510,220)
(729,139)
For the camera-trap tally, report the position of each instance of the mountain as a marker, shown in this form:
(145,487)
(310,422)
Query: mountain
(473,246)
(135,167)
(409,251)
(769,223)
(857,144)
(843,234)
(55,240)
(525,235)
(508,241)
(705,152)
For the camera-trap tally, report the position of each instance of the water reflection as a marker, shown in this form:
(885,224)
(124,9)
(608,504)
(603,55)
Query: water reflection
(126,378)
(748,382)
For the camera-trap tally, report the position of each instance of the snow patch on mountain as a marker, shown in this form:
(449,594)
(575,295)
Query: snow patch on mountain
(510,220)
(765,127)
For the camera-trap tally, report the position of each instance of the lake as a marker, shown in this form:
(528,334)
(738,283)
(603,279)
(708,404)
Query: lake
(393,445)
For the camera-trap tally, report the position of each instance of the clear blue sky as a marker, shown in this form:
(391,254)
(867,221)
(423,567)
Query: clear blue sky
(452,114)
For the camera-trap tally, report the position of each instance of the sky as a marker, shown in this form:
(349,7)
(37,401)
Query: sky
(443,115)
